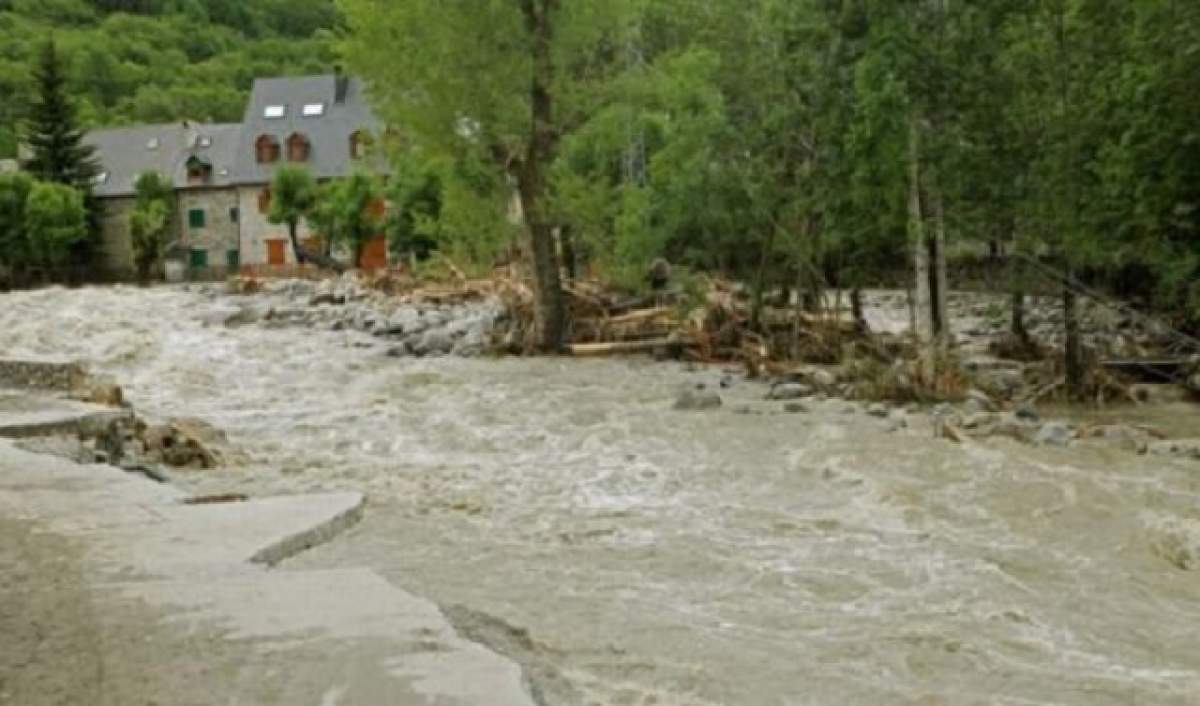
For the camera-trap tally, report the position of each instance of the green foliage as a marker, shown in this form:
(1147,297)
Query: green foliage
(148,229)
(293,195)
(142,61)
(148,223)
(14,195)
(349,212)
(55,221)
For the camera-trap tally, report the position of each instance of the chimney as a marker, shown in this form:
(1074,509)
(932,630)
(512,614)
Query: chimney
(341,85)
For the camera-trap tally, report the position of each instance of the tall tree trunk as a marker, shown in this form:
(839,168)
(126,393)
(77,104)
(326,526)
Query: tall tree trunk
(940,284)
(292,227)
(923,303)
(1072,350)
(566,244)
(549,309)
(760,281)
(856,309)
(1019,330)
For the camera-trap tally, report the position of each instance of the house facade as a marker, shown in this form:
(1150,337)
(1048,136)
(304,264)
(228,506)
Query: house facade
(197,159)
(221,174)
(321,123)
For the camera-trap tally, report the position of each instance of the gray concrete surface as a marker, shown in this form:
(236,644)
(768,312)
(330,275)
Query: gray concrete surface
(24,415)
(175,604)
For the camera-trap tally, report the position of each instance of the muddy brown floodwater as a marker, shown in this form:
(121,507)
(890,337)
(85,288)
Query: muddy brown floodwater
(561,512)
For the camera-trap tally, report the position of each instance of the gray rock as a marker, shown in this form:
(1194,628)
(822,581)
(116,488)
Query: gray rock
(434,342)
(698,401)
(789,391)
(1178,448)
(822,378)
(1053,434)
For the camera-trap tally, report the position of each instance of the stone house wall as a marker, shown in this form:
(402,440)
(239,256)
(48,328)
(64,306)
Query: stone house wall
(219,236)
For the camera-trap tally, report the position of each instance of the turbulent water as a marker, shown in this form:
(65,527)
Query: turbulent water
(626,553)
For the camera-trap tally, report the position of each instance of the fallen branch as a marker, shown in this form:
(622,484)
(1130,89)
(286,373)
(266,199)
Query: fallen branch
(591,350)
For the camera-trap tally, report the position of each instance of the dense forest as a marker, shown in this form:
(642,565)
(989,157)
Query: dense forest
(139,61)
(811,142)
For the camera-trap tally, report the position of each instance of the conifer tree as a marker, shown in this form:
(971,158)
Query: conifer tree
(52,134)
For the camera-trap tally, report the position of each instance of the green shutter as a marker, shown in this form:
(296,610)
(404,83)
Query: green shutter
(198,259)
(196,218)
(233,259)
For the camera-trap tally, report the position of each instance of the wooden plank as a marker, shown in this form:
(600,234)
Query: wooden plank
(591,350)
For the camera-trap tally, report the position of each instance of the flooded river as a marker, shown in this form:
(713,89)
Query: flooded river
(627,554)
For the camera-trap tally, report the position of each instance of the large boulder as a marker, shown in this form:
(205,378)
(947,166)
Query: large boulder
(436,341)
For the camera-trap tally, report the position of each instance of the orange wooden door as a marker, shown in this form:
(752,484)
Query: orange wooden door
(374,254)
(276,252)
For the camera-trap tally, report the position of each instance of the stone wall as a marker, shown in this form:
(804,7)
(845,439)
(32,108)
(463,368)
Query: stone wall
(257,232)
(42,375)
(116,245)
(218,238)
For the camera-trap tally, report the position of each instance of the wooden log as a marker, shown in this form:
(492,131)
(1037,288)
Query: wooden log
(593,350)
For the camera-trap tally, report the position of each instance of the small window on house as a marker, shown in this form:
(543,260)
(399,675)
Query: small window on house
(274,112)
(313,110)
(297,148)
(266,149)
(357,144)
(101,178)
(233,215)
(196,218)
(152,143)
(264,200)
(205,141)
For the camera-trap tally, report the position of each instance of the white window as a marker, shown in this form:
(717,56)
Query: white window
(313,110)
(205,141)
(102,177)
(152,143)
(274,112)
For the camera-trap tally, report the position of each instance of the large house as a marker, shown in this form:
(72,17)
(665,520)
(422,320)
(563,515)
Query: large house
(222,173)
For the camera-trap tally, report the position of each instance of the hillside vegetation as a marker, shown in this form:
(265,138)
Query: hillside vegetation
(140,61)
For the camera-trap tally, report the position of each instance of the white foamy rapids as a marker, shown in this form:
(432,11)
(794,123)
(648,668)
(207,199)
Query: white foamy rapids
(662,557)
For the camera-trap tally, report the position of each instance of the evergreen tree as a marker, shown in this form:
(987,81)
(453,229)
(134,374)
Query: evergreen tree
(52,133)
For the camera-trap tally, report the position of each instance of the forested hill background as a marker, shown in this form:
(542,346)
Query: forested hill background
(144,61)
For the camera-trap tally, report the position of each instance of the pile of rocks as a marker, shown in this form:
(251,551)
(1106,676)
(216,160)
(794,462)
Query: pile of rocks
(414,328)
(178,443)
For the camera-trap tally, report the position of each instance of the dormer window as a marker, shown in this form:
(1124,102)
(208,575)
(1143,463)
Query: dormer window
(297,148)
(358,144)
(313,110)
(266,149)
(198,171)
(205,141)
(152,143)
(101,178)
(274,112)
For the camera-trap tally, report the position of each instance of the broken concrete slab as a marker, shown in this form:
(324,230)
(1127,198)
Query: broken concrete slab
(273,636)
(23,415)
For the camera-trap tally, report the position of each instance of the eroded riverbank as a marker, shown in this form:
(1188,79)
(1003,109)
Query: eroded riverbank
(630,554)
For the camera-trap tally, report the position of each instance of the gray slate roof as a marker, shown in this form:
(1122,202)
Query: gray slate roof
(328,134)
(125,153)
